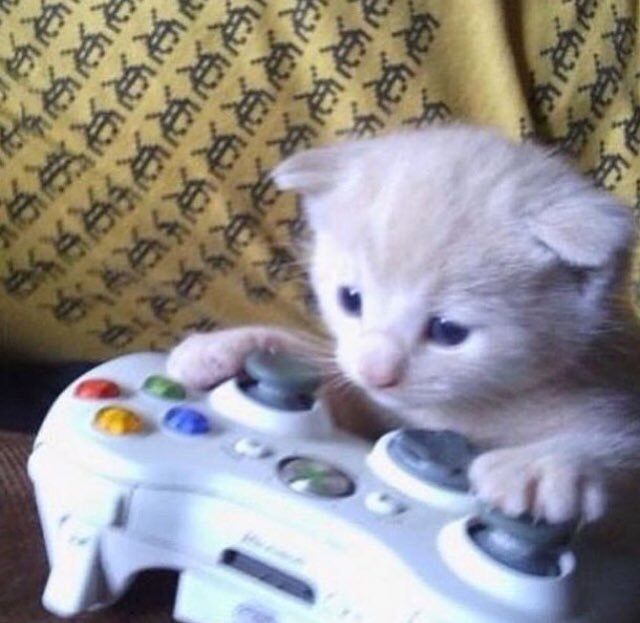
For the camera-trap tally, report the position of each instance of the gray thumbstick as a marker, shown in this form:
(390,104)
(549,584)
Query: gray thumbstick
(280,380)
(440,457)
(522,543)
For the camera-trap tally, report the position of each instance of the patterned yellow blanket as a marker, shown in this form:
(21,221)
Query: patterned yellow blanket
(136,137)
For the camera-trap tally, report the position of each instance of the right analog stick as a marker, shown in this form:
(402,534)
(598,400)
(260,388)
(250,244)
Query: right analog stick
(522,543)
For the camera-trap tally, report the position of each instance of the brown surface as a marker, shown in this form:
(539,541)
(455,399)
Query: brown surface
(23,566)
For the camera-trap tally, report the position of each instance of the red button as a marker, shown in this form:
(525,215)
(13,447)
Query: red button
(97,388)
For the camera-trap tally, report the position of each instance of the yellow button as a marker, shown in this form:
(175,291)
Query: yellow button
(117,421)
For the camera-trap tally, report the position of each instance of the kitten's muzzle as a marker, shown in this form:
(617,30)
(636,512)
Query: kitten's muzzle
(381,360)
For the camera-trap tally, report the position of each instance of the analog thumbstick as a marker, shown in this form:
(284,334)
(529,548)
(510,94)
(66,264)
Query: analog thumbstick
(522,543)
(280,380)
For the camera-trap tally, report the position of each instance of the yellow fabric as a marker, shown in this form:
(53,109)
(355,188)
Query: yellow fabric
(135,137)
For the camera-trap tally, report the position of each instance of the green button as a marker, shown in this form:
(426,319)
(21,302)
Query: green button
(162,387)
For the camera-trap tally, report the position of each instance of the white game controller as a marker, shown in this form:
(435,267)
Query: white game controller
(271,516)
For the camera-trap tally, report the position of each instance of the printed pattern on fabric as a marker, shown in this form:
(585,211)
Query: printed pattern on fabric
(136,138)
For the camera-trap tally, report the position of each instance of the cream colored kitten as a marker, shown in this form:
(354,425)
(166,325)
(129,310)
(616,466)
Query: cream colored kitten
(479,285)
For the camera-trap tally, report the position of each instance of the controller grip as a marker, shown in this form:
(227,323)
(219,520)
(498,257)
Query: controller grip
(75,581)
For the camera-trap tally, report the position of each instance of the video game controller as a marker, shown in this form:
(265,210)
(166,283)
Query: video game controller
(270,515)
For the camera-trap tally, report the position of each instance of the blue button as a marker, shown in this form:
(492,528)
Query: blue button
(186,421)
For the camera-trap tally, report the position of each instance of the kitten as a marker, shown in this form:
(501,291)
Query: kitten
(478,285)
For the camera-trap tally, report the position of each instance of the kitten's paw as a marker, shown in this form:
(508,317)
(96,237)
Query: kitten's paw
(556,487)
(205,359)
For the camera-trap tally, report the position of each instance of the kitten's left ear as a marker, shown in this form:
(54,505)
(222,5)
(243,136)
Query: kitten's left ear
(314,171)
(587,231)
(307,172)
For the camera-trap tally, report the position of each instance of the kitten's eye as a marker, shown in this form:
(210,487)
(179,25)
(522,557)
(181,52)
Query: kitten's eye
(445,332)
(350,300)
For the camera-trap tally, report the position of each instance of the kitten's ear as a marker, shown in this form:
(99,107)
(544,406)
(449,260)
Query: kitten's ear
(586,234)
(314,171)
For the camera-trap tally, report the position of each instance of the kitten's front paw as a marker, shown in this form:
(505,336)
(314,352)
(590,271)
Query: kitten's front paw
(205,359)
(555,486)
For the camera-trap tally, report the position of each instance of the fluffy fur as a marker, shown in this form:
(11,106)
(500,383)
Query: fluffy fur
(508,241)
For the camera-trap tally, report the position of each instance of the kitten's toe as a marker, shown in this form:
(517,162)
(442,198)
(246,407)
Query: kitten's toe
(553,487)
(496,482)
(570,490)
(203,360)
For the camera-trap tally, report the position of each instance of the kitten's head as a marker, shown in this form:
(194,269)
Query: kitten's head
(453,265)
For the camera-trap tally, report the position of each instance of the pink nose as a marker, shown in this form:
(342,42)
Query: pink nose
(381,360)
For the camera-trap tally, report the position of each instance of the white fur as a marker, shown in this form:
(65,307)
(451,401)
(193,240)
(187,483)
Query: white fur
(508,241)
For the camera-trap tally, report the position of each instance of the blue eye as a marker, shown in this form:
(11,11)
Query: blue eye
(445,332)
(350,300)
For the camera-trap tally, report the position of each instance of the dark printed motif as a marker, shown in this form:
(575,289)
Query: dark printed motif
(102,128)
(162,307)
(374,11)
(603,89)
(542,97)
(147,162)
(60,94)
(33,124)
(585,11)
(163,37)
(419,35)
(631,130)
(192,198)
(114,279)
(90,51)
(206,72)
(23,59)
(132,83)
(609,170)
(22,208)
(221,153)
(4,91)
(171,229)
(238,24)
(59,170)
(622,36)
(191,8)
(349,51)
(296,136)
(48,24)
(73,305)
(363,125)
(575,139)
(432,112)
(68,245)
(143,253)
(252,107)
(239,230)
(98,216)
(304,16)
(261,191)
(191,284)
(119,335)
(177,117)
(323,96)
(565,51)
(391,84)
(280,61)
(116,13)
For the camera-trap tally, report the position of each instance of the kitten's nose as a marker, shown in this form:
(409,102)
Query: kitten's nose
(381,359)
